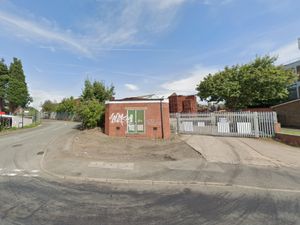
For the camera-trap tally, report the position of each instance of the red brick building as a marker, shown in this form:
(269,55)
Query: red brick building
(138,117)
(182,103)
(288,113)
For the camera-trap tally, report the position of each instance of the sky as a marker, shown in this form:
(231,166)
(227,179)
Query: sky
(141,46)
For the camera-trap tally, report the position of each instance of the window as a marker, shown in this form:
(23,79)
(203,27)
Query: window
(136,121)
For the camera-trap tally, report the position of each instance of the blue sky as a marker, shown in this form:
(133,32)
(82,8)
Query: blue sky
(141,46)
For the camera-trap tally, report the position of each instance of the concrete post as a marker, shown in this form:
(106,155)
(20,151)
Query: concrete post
(256,126)
(214,123)
(177,123)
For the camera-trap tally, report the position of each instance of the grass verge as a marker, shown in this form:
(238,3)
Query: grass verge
(14,129)
(290,131)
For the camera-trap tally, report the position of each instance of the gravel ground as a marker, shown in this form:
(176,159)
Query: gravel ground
(99,146)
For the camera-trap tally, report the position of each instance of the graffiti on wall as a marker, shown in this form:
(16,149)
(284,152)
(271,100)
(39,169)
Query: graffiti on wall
(118,118)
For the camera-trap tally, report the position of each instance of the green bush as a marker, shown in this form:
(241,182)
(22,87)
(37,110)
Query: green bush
(90,112)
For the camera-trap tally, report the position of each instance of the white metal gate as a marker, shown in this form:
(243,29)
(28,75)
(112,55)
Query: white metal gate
(241,124)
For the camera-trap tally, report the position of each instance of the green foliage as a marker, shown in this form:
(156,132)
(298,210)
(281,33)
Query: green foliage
(17,91)
(98,91)
(257,84)
(91,108)
(67,105)
(90,112)
(31,111)
(3,83)
(49,106)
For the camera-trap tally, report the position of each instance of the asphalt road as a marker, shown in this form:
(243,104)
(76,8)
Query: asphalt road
(28,196)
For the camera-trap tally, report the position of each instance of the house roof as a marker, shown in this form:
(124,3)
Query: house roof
(137,100)
(175,95)
(292,63)
(285,103)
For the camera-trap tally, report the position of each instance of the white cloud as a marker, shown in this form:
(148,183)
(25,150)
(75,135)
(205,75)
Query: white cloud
(217,2)
(51,48)
(128,23)
(31,29)
(131,87)
(166,4)
(37,69)
(39,96)
(188,85)
(287,53)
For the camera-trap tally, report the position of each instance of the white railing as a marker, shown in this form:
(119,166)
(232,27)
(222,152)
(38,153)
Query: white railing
(240,124)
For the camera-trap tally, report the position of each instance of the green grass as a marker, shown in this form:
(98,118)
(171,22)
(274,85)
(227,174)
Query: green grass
(290,131)
(32,125)
(16,129)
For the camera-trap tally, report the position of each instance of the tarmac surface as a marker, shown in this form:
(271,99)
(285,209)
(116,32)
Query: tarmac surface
(33,191)
(245,151)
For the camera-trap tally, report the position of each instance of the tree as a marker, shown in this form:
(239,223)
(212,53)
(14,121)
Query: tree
(67,105)
(32,111)
(88,91)
(3,84)
(49,106)
(91,108)
(98,91)
(90,112)
(102,92)
(17,91)
(257,84)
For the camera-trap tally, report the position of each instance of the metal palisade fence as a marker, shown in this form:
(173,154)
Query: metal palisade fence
(240,124)
(60,116)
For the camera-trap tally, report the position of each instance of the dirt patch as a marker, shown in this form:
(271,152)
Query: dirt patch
(96,145)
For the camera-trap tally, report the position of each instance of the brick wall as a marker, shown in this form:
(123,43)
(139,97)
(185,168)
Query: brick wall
(116,120)
(288,139)
(289,114)
(181,103)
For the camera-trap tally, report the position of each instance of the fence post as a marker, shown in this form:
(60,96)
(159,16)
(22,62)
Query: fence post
(256,126)
(275,117)
(177,123)
(213,122)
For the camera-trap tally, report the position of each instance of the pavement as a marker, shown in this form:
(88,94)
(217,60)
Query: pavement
(43,182)
(244,151)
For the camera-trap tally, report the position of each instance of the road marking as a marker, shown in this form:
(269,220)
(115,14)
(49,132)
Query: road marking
(107,165)
(30,175)
(10,174)
(18,172)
